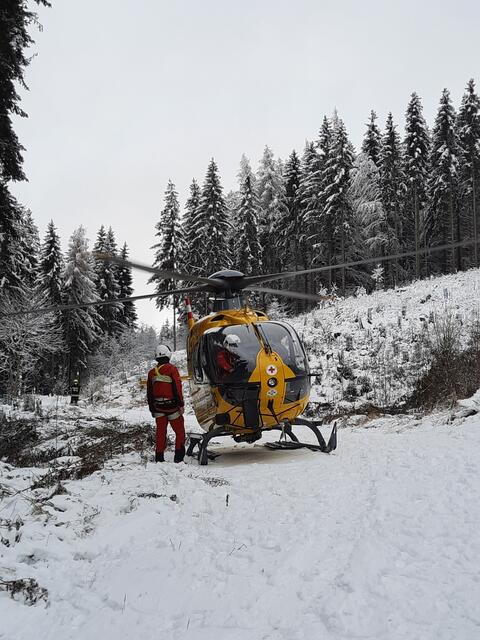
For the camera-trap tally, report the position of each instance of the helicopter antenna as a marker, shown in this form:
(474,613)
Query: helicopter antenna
(188,309)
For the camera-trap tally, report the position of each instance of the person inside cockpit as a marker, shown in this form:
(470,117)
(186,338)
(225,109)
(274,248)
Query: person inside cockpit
(228,357)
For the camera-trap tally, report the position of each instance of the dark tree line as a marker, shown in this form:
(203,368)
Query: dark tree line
(332,205)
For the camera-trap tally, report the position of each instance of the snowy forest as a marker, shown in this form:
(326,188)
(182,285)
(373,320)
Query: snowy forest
(328,204)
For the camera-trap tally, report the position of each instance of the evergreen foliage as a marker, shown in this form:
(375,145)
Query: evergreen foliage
(168,249)
(416,157)
(51,265)
(468,127)
(443,185)
(106,282)
(189,260)
(128,316)
(212,225)
(372,141)
(248,250)
(392,185)
(82,326)
(271,196)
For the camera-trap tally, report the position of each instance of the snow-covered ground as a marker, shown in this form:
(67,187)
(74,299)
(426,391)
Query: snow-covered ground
(380,539)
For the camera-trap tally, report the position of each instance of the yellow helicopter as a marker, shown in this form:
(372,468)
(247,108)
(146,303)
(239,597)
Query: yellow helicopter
(247,374)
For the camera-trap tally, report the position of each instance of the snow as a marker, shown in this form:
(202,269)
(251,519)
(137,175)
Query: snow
(378,540)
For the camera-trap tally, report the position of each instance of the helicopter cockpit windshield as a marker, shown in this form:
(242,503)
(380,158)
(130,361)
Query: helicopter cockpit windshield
(231,353)
(283,340)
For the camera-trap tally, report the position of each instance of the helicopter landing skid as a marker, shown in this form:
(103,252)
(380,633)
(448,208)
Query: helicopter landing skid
(286,429)
(201,441)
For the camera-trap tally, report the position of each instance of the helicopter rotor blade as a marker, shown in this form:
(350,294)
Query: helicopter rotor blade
(290,294)
(252,280)
(99,303)
(167,275)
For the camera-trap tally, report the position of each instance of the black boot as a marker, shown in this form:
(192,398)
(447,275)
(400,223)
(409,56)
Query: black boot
(159,456)
(179,454)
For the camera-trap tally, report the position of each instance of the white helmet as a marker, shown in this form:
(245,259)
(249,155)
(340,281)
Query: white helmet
(163,351)
(231,341)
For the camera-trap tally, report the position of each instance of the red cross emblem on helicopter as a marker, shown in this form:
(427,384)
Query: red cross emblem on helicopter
(271,370)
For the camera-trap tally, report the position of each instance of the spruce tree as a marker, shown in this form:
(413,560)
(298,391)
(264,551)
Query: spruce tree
(82,326)
(189,259)
(271,196)
(372,141)
(106,281)
(51,265)
(168,249)
(10,237)
(248,250)
(417,146)
(393,188)
(443,185)
(28,250)
(212,225)
(468,127)
(338,212)
(128,316)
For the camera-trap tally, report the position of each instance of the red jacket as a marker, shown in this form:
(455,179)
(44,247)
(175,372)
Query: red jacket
(164,387)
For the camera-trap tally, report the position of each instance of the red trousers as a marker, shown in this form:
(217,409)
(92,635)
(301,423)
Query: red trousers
(177,425)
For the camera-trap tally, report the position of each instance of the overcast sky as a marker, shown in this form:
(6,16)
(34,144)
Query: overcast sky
(125,94)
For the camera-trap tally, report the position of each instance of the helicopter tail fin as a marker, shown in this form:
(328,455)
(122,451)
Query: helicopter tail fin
(190,318)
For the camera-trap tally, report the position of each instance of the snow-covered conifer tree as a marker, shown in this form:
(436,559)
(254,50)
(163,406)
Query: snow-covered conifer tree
(189,259)
(271,195)
(168,249)
(337,206)
(371,229)
(443,185)
(212,225)
(51,265)
(82,326)
(372,141)
(468,126)
(248,250)
(392,185)
(416,157)
(128,317)
(106,281)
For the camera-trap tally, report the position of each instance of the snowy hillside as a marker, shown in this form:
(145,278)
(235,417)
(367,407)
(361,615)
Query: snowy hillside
(374,348)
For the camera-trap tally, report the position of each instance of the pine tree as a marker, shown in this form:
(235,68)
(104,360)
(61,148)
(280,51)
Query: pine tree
(106,282)
(128,316)
(443,184)
(212,225)
(169,246)
(372,233)
(468,126)
(337,207)
(10,238)
(51,265)
(82,326)
(392,185)
(247,246)
(309,209)
(28,250)
(189,260)
(416,158)
(271,196)
(289,229)
(15,18)
(372,141)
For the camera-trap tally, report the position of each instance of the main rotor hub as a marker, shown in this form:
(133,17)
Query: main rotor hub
(233,281)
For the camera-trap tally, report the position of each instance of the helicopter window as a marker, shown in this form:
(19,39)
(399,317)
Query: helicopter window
(283,340)
(231,353)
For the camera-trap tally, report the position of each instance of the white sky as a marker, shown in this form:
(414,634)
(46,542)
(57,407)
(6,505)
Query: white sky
(125,94)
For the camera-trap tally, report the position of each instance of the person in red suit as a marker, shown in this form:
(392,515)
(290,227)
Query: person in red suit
(165,401)
(228,357)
